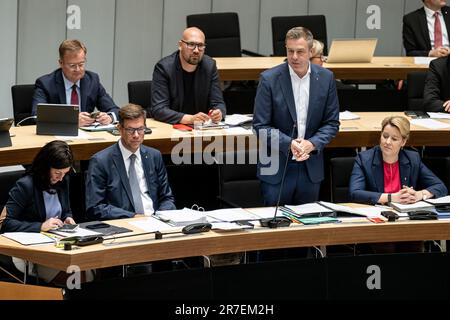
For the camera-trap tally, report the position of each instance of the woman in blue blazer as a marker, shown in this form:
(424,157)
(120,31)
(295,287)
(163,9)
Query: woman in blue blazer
(388,173)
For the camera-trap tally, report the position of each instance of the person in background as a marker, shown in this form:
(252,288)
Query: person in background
(388,173)
(127,178)
(317,52)
(72,84)
(185,87)
(425,30)
(436,93)
(39,201)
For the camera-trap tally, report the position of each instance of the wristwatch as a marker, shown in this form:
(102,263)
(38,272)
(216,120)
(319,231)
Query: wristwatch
(389,197)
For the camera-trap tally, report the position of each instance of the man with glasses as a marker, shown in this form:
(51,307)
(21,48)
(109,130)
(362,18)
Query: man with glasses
(72,84)
(127,178)
(185,86)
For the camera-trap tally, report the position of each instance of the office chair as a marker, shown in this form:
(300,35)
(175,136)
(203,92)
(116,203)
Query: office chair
(221,29)
(341,170)
(140,92)
(415,86)
(238,185)
(22,98)
(281,25)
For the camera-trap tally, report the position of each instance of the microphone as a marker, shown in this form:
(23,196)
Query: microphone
(276,222)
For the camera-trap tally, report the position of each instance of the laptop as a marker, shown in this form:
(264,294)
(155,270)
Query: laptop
(5,138)
(57,119)
(351,50)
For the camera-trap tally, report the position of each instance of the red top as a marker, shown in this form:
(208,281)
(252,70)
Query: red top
(392,182)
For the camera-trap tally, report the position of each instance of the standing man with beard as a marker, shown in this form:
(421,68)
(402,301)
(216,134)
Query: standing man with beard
(185,86)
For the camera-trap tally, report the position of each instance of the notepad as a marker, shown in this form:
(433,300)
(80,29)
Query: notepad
(28,238)
(419,205)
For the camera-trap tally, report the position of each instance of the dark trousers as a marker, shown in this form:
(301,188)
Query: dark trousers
(297,188)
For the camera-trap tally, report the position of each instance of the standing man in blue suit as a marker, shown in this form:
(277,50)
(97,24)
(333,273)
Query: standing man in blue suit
(296,114)
(127,178)
(72,84)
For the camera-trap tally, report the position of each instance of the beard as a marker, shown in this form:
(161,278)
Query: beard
(194,60)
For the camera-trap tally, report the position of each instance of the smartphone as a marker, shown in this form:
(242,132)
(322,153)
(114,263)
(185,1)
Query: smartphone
(422,115)
(68,228)
(410,113)
(94,114)
(97,226)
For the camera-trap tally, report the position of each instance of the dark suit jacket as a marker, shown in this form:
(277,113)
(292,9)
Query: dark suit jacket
(25,209)
(437,85)
(416,38)
(50,89)
(275,109)
(108,192)
(367,179)
(168,91)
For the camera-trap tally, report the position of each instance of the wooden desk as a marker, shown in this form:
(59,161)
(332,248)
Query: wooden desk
(381,68)
(179,245)
(26,144)
(366,132)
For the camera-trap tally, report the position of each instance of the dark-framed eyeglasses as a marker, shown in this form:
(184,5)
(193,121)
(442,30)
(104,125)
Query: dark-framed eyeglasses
(193,45)
(131,131)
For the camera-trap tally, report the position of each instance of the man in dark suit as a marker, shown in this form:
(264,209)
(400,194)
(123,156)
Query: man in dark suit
(127,178)
(423,35)
(185,87)
(436,93)
(72,84)
(296,109)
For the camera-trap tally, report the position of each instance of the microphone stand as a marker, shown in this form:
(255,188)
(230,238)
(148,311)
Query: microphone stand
(277,222)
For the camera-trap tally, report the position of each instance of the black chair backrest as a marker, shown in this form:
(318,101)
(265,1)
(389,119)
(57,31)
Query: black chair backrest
(140,92)
(223,37)
(415,86)
(440,167)
(22,98)
(341,170)
(281,25)
(238,183)
(7,181)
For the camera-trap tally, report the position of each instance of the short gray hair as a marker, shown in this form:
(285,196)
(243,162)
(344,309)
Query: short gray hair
(300,33)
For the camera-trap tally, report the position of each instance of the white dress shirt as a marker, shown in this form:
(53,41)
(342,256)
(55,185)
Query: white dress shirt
(300,88)
(146,200)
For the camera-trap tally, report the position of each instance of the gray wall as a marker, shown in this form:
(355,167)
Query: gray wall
(125,38)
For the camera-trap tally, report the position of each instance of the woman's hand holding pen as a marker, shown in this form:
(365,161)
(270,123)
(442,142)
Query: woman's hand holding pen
(51,223)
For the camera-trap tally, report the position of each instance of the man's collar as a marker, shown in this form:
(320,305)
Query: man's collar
(292,72)
(429,12)
(67,83)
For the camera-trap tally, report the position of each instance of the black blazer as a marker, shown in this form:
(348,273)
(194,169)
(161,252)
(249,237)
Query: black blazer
(25,209)
(50,89)
(168,92)
(437,85)
(416,38)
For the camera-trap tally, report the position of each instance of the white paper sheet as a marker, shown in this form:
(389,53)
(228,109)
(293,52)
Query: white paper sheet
(430,123)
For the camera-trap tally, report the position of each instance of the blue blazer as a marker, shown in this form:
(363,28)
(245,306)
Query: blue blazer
(367,179)
(275,109)
(108,192)
(50,89)
(25,209)
(168,90)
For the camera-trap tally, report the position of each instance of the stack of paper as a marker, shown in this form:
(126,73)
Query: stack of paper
(237,119)
(28,238)
(419,205)
(347,115)
(182,217)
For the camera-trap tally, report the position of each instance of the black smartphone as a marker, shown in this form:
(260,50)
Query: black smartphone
(68,228)
(390,215)
(94,114)
(98,226)
(410,113)
(422,115)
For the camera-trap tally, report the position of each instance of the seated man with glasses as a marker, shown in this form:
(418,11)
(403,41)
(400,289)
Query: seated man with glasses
(185,86)
(127,178)
(72,84)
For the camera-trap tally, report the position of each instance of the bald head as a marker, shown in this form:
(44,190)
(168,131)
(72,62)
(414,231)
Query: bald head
(191,47)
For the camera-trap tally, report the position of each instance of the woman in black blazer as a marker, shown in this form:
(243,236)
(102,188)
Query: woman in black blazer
(40,200)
